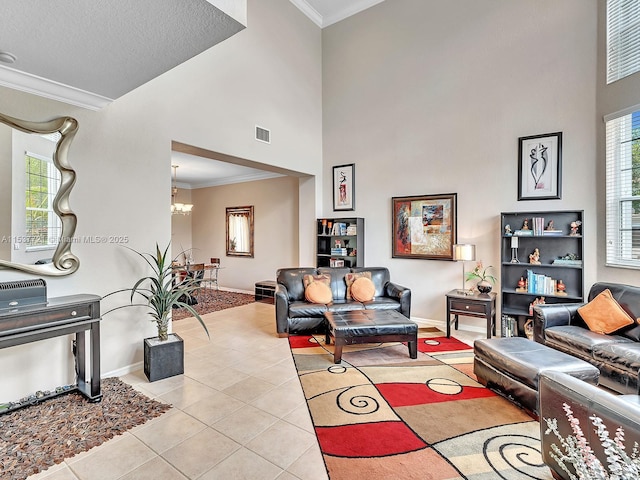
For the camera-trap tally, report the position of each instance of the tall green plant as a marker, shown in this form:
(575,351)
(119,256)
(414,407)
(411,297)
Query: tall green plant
(160,292)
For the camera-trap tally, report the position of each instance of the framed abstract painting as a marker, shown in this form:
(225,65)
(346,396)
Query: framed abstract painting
(540,167)
(424,227)
(344,187)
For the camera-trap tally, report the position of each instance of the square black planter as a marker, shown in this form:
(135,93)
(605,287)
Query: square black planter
(163,359)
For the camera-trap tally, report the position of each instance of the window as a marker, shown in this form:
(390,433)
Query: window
(43,226)
(623,38)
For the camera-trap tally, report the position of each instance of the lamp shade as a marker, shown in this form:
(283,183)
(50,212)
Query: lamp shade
(464,252)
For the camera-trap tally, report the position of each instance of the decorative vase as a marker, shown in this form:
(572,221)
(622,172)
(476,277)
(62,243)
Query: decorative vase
(483,286)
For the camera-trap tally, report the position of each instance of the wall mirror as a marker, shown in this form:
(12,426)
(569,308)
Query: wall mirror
(37,226)
(240,231)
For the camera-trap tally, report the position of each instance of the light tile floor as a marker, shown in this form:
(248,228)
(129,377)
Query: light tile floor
(239,412)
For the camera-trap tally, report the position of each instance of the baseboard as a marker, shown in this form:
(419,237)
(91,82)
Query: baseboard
(120,372)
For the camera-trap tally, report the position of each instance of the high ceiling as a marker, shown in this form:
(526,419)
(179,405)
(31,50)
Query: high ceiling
(89,53)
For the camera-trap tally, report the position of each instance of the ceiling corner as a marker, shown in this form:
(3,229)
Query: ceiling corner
(309,11)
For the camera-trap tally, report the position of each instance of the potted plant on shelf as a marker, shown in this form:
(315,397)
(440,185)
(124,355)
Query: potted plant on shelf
(163,354)
(485,280)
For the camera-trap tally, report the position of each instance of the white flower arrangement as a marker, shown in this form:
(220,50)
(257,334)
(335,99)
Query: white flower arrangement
(576,452)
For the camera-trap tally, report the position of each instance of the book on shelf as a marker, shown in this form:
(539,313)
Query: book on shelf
(336,262)
(564,261)
(509,327)
(339,228)
(523,233)
(339,251)
(541,284)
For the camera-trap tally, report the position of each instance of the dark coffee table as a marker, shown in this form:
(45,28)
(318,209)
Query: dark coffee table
(370,326)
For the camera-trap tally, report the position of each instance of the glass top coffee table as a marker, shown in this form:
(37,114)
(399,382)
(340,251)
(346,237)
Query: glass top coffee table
(369,326)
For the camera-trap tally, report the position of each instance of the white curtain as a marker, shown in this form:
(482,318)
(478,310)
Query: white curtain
(239,232)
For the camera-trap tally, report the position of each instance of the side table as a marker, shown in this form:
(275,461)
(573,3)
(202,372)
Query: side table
(481,305)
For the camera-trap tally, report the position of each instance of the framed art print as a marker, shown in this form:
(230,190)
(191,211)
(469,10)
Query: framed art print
(540,167)
(424,226)
(344,187)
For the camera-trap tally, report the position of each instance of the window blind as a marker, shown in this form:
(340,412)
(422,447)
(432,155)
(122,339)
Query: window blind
(623,190)
(623,38)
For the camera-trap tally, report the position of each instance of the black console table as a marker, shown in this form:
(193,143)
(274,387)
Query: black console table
(77,314)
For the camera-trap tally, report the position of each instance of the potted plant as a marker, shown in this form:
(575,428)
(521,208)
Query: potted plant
(164,354)
(480,273)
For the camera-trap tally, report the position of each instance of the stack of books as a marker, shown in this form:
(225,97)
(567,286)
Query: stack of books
(540,284)
(339,251)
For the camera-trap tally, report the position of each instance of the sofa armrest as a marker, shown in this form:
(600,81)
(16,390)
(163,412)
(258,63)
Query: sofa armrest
(282,309)
(402,294)
(552,315)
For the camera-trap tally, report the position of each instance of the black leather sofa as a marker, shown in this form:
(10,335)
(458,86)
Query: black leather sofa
(294,314)
(617,355)
(558,389)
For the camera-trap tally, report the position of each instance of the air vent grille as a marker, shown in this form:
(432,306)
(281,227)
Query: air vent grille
(263,135)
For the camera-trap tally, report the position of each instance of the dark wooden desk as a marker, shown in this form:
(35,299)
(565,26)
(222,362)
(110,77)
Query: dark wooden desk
(77,314)
(481,305)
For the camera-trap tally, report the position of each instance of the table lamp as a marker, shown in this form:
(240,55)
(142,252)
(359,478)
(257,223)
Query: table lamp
(464,253)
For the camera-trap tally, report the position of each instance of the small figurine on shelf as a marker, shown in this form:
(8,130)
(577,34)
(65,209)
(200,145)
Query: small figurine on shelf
(507,230)
(560,288)
(575,225)
(534,258)
(550,225)
(338,243)
(537,301)
(525,225)
(522,285)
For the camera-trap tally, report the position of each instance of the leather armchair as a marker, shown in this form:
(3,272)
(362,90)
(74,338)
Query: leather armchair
(616,355)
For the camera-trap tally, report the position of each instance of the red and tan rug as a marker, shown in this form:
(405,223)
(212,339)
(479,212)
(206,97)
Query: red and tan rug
(381,415)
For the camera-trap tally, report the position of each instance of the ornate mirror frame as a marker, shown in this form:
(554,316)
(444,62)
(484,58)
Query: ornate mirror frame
(247,212)
(63,261)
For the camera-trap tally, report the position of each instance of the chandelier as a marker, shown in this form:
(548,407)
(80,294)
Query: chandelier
(176,207)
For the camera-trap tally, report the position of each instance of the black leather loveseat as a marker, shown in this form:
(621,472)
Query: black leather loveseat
(616,355)
(294,314)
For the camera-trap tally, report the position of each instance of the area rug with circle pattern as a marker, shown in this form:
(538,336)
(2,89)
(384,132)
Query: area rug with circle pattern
(379,414)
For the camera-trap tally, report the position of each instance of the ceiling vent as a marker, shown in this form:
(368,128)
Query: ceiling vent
(263,135)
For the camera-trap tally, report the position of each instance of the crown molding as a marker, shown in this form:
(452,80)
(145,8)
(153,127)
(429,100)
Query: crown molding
(351,9)
(26,82)
(309,11)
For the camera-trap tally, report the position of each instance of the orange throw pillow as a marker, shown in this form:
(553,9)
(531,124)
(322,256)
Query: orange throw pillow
(604,314)
(322,278)
(349,278)
(318,292)
(363,289)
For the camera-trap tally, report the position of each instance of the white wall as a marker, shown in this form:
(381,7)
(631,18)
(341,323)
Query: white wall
(268,74)
(275,203)
(431,97)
